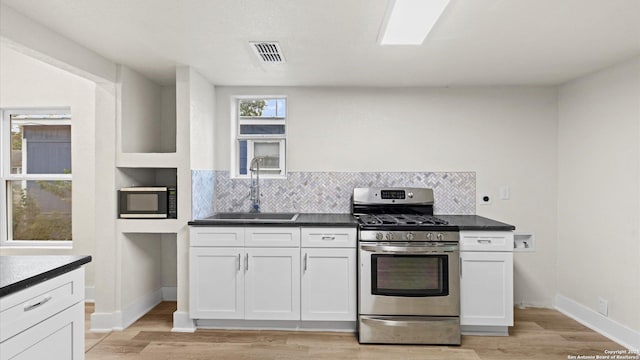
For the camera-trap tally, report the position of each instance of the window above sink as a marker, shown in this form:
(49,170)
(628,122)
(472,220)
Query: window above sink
(258,126)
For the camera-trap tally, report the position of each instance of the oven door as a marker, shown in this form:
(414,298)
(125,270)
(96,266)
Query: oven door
(409,279)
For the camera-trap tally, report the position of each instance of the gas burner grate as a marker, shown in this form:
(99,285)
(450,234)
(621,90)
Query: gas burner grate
(400,219)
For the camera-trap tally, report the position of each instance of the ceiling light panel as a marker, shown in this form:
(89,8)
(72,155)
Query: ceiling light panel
(408,22)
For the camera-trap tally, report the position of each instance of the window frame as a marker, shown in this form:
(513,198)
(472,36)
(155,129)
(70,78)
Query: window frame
(6,177)
(236,136)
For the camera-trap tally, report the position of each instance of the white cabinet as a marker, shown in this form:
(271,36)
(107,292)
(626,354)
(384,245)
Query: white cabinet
(272,284)
(45,320)
(256,273)
(230,279)
(486,281)
(329,284)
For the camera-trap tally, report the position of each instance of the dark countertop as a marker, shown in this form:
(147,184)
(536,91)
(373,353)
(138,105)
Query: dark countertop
(22,271)
(475,222)
(463,222)
(304,219)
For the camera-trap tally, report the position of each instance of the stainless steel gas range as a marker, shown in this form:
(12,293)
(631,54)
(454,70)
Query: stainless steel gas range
(408,279)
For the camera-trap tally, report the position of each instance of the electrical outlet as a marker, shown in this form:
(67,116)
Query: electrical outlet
(603,306)
(484,199)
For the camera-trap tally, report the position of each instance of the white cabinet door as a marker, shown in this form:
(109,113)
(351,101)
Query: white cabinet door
(486,288)
(329,284)
(216,283)
(272,284)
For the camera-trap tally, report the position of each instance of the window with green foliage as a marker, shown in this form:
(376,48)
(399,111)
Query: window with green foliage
(36,176)
(259,126)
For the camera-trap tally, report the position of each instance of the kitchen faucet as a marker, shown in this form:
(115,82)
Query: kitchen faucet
(254,192)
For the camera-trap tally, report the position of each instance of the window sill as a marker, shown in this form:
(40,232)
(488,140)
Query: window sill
(34,247)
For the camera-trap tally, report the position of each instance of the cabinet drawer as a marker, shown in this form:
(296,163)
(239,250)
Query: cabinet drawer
(60,337)
(329,237)
(486,241)
(216,236)
(32,305)
(272,237)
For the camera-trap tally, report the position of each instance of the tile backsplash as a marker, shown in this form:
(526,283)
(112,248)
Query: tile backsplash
(330,192)
(202,193)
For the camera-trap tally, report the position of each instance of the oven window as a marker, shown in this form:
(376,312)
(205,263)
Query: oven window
(409,275)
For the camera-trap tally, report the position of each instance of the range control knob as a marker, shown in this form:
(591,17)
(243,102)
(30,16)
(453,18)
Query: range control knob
(378,236)
(410,236)
(440,236)
(410,195)
(429,236)
(389,236)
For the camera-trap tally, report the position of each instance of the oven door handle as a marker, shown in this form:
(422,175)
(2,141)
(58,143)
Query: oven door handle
(409,249)
(422,321)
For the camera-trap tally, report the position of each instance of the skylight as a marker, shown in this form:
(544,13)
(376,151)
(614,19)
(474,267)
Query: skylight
(408,22)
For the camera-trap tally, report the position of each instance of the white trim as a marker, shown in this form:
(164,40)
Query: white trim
(292,325)
(182,322)
(120,320)
(140,308)
(236,121)
(102,322)
(37,244)
(615,331)
(6,237)
(45,177)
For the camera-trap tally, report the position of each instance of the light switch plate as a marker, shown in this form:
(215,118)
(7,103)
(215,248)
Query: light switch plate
(505,192)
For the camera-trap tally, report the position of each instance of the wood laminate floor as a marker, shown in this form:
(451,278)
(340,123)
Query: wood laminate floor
(537,334)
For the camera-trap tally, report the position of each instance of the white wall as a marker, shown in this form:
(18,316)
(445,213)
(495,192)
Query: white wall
(141,113)
(508,136)
(29,83)
(202,112)
(599,191)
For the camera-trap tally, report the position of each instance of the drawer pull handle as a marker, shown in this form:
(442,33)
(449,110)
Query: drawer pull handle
(328,238)
(484,241)
(39,303)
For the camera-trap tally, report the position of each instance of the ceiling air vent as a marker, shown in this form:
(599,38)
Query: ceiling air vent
(268,52)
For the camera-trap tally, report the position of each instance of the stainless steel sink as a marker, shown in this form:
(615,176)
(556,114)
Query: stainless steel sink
(275,217)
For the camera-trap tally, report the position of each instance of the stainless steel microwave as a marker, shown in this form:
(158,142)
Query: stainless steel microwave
(148,202)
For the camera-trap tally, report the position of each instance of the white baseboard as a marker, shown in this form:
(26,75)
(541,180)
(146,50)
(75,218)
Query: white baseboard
(139,308)
(169,293)
(102,322)
(182,322)
(615,331)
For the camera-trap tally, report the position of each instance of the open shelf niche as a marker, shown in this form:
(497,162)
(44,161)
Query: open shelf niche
(147,118)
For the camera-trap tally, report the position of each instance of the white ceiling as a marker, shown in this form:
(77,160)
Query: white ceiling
(333,42)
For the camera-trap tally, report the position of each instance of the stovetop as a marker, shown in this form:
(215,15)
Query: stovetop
(397,209)
(403,223)
(392,220)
